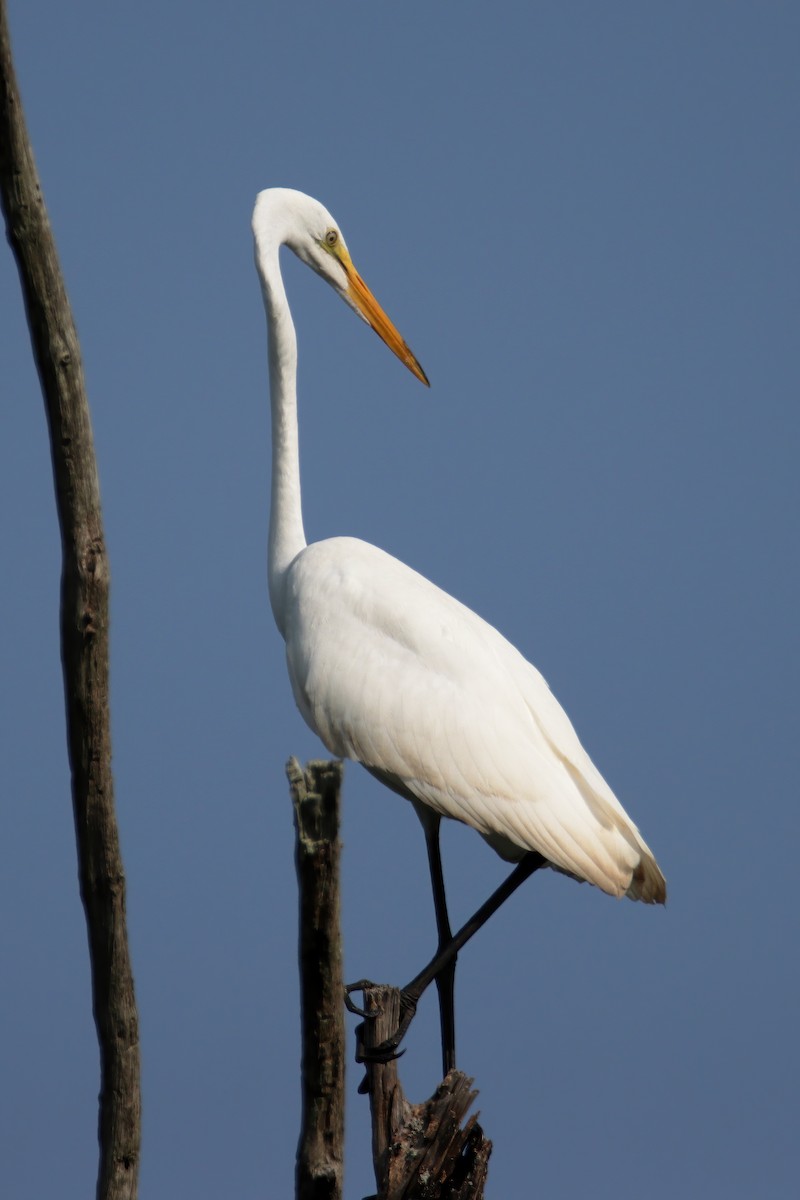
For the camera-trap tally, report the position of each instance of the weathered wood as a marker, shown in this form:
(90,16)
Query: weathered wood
(315,792)
(420,1151)
(84,638)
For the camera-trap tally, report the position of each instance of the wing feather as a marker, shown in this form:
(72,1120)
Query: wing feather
(393,672)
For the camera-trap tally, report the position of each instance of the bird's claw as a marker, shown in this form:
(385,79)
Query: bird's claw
(387,1050)
(380,1055)
(351,1005)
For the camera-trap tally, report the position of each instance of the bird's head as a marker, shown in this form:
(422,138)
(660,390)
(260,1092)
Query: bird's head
(283,216)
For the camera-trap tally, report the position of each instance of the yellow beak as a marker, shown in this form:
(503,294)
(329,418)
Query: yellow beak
(373,314)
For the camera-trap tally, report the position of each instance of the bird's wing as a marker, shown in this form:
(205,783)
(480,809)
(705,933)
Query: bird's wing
(393,672)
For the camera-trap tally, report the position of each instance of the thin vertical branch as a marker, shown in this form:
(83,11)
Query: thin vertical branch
(320,1152)
(84,637)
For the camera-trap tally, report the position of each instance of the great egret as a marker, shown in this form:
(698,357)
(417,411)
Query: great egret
(391,671)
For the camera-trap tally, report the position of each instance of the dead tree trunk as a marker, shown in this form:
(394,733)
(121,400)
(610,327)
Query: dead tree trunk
(84,638)
(420,1151)
(320,1152)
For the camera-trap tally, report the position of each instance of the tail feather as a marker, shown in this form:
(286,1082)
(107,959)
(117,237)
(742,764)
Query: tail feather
(648,884)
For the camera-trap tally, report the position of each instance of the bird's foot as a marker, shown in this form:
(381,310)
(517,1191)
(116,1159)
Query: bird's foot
(387,1050)
(351,1005)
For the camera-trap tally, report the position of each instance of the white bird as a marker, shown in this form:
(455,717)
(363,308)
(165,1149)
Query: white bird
(393,672)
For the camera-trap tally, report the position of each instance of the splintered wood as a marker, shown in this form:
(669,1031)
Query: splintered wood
(420,1151)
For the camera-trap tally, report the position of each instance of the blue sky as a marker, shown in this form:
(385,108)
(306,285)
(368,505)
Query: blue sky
(583,218)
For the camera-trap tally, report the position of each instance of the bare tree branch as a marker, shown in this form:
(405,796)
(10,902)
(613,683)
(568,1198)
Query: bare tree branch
(84,638)
(419,1151)
(428,1151)
(320,1151)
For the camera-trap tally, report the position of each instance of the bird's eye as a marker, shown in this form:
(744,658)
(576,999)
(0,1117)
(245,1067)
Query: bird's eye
(332,237)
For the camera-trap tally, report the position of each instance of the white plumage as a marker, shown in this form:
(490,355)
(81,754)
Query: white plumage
(391,671)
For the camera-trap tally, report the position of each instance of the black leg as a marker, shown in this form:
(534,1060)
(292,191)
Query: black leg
(446,955)
(446,978)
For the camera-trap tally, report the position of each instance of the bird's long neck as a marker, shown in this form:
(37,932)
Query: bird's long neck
(286,535)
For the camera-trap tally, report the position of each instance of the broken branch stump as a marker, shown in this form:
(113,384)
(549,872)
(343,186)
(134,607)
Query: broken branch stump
(315,792)
(420,1151)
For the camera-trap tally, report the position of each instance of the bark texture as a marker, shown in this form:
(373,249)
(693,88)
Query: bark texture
(84,638)
(420,1151)
(320,1153)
